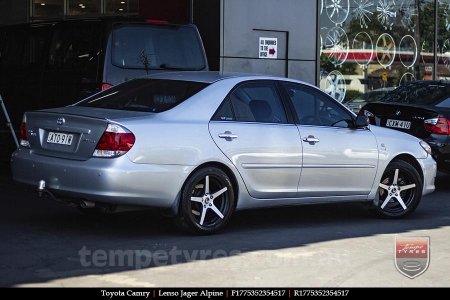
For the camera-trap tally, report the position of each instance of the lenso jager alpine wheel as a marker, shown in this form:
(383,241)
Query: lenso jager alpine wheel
(207,201)
(399,191)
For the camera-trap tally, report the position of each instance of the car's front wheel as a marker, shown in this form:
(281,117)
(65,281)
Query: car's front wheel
(207,201)
(399,191)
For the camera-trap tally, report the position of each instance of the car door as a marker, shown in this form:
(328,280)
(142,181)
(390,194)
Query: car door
(338,159)
(251,128)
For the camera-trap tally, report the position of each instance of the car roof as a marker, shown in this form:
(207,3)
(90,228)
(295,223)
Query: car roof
(214,76)
(429,82)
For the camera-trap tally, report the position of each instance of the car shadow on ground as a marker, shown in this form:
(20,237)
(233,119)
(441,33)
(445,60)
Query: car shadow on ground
(41,240)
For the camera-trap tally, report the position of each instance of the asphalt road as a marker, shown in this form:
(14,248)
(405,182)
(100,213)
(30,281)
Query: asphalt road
(44,243)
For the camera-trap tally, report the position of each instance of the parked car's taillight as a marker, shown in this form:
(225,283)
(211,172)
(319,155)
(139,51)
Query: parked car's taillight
(115,141)
(23,135)
(439,125)
(106,86)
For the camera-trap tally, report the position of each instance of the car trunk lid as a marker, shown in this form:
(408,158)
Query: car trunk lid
(407,118)
(70,132)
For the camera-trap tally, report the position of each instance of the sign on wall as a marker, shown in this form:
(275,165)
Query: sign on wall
(268,47)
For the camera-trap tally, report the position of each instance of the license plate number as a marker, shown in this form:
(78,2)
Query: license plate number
(398,124)
(60,138)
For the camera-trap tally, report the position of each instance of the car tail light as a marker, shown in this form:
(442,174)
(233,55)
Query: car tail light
(439,125)
(23,133)
(106,86)
(115,141)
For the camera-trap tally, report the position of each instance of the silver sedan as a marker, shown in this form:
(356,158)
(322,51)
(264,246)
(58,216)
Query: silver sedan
(200,145)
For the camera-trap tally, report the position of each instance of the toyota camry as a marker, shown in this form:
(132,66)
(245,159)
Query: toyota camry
(201,145)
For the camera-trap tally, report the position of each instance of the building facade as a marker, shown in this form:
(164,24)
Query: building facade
(346,47)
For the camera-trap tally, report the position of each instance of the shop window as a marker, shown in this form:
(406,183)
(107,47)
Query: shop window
(368,45)
(84,7)
(121,6)
(45,9)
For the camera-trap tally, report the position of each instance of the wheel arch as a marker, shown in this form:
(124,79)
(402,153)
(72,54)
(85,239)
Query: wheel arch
(412,161)
(174,210)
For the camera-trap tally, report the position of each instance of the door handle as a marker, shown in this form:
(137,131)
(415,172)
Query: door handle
(311,139)
(228,135)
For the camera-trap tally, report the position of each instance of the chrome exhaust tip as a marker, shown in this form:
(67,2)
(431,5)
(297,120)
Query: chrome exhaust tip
(41,188)
(87,204)
(41,185)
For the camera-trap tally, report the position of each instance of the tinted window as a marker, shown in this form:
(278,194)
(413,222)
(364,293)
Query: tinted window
(76,48)
(37,42)
(23,47)
(225,112)
(445,103)
(145,95)
(253,102)
(421,94)
(314,108)
(157,47)
(12,48)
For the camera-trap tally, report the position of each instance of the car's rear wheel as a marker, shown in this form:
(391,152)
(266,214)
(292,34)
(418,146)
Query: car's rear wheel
(399,191)
(207,201)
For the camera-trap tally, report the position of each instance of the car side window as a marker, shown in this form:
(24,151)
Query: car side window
(315,108)
(252,102)
(445,103)
(225,112)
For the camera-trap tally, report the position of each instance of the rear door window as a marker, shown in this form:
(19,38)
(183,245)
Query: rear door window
(253,102)
(157,47)
(148,95)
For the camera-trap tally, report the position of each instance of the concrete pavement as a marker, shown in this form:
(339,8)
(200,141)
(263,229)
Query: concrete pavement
(46,244)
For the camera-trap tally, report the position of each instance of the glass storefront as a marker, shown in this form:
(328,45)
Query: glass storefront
(47,8)
(51,9)
(372,44)
(121,6)
(84,7)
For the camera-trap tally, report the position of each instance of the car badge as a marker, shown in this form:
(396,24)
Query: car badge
(398,113)
(61,121)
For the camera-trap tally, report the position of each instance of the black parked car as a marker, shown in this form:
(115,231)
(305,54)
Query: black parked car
(356,103)
(420,108)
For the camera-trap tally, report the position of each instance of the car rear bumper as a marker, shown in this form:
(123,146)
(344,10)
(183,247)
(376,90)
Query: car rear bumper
(429,168)
(117,181)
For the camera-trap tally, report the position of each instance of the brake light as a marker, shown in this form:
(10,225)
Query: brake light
(439,125)
(23,133)
(106,86)
(156,21)
(115,141)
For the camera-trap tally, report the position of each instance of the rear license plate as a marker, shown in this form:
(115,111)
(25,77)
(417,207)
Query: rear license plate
(60,138)
(398,124)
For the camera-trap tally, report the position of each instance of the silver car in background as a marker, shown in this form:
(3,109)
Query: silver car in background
(201,145)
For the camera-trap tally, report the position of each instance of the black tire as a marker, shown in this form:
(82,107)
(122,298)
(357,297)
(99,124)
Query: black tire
(407,177)
(196,202)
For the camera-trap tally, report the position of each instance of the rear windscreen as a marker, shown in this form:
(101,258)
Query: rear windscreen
(149,95)
(157,47)
(419,94)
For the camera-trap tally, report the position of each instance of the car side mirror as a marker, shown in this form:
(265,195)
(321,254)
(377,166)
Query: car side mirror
(361,121)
